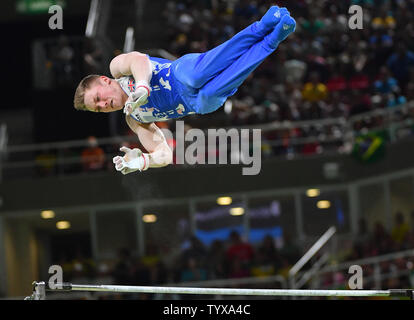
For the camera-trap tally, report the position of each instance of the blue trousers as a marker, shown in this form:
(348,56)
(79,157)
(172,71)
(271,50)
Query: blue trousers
(217,73)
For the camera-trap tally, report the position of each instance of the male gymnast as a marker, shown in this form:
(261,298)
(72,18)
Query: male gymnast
(152,89)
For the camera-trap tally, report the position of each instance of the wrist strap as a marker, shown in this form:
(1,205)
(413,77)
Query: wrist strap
(146,160)
(143,84)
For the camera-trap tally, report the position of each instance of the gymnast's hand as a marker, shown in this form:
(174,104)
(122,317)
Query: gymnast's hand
(138,98)
(133,160)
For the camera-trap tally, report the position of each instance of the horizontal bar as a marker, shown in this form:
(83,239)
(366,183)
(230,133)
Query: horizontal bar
(227,291)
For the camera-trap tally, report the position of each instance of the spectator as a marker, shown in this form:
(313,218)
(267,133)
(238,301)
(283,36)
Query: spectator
(152,262)
(384,20)
(192,271)
(314,90)
(400,229)
(239,249)
(216,260)
(238,269)
(138,274)
(363,232)
(123,272)
(267,259)
(246,9)
(381,242)
(290,250)
(70,161)
(311,148)
(336,107)
(269,250)
(395,99)
(336,82)
(46,163)
(83,268)
(359,81)
(195,250)
(261,267)
(295,68)
(362,103)
(335,22)
(400,63)
(385,83)
(286,266)
(313,25)
(93,157)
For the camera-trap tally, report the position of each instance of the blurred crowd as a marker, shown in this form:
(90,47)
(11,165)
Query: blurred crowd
(233,258)
(324,69)
(90,158)
(379,242)
(236,259)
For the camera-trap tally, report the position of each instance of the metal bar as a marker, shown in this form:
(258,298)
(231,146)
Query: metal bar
(316,266)
(129,43)
(366,261)
(93,227)
(193,221)
(67,144)
(229,291)
(354,213)
(92,19)
(299,216)
(388,204)
(246,216)
(311,252)
(231,282)
(140,230)
(3,265)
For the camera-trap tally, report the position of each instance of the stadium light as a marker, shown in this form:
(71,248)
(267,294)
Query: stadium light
(323,204)
(224,201)
(311,193)
(47,214)
(62,225)
(149,218)
(237,211)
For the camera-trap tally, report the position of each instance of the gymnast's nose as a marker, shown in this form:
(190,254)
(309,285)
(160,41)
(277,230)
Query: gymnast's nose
(103,103)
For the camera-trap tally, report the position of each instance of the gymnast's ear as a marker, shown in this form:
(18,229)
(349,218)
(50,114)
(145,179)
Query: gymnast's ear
(105,80)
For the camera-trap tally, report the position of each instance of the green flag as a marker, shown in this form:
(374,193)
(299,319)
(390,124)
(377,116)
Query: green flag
(370,147)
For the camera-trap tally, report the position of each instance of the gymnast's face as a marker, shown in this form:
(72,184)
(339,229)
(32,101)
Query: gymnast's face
(105,95)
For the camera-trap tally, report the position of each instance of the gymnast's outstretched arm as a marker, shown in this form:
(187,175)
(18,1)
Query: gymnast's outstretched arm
(159,153)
